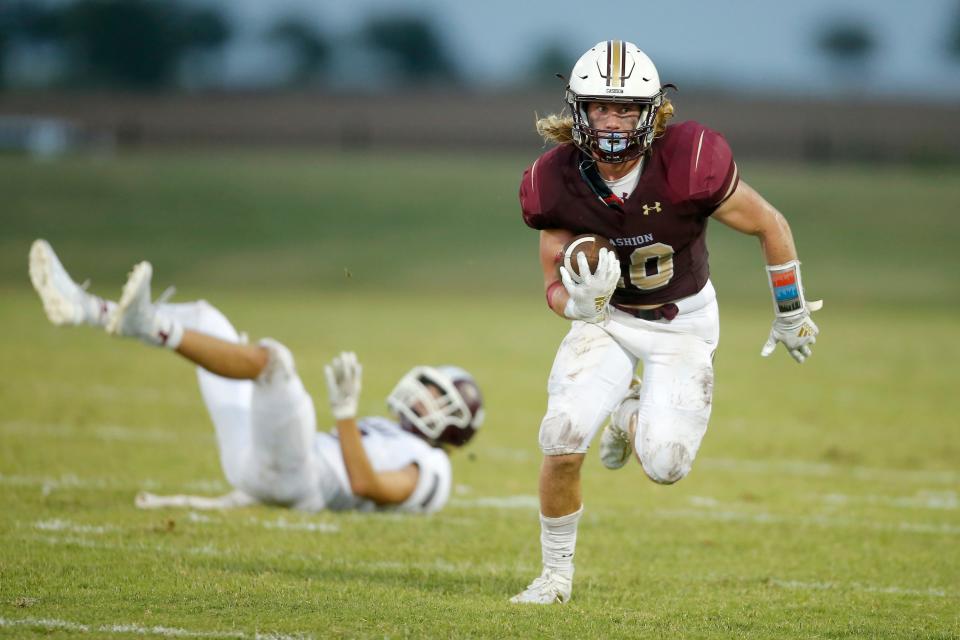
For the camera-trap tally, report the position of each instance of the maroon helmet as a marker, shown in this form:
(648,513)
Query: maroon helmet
(442,405)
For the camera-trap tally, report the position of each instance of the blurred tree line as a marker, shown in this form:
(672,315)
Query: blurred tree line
(134,44)
(144,44)
(169,44)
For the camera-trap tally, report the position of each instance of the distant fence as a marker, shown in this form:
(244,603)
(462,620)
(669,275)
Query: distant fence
(760,128)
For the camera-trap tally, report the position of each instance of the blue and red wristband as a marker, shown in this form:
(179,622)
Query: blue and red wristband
(785,284)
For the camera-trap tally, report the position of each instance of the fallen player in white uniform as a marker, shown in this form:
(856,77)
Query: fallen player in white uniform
(270,450)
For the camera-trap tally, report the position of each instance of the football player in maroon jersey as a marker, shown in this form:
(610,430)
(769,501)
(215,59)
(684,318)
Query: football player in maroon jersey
(270,449)
(619,171)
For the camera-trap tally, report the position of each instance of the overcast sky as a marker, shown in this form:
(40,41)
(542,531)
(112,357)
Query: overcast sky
(741,43)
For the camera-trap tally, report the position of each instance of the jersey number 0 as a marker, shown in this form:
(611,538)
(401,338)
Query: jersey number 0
(651,267)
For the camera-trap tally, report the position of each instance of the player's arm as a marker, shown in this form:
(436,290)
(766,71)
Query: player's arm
(747,212)
(552,242)
(344,376)
(384,487)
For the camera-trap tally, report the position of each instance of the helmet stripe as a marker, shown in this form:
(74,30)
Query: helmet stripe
(609,52)
(616,61)
(616,68)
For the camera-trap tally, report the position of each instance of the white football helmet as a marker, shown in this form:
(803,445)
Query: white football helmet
(614,71)
(450,414)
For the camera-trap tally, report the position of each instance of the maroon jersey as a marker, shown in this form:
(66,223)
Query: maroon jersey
(660,230)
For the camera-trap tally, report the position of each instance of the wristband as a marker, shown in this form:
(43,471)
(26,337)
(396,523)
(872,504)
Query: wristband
(787,288)
(550,291)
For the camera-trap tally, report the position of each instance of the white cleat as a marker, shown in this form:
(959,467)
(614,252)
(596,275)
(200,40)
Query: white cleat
(616,444)
(136,316)
(64,301)
(548,588)
(615,447)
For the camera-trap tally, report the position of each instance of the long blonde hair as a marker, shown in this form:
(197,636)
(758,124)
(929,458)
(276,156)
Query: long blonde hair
(558,127)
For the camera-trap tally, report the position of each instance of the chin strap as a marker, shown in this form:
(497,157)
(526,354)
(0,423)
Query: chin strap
(591,175)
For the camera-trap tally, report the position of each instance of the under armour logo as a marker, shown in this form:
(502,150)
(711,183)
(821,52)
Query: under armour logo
(655,208)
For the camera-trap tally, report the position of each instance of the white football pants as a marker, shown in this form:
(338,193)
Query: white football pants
(595,364)
(266,427)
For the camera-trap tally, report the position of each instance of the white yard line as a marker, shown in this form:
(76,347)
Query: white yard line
(818,521)
(825,470)
(105,432)
(934,500)
(177,396)
(277,524)
(923,499)
(73,481)
(52,624)
(282,524)
(207,550)
(498,502)
(857,586)
(72,527)
(64,481)
(45,623)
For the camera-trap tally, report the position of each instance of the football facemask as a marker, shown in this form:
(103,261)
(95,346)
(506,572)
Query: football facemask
(443,405)
(615,72)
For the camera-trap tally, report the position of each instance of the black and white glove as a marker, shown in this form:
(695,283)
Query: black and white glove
(792,325)
(591,293)
(344,375)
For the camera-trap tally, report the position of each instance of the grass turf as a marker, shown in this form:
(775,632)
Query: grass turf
(824,502)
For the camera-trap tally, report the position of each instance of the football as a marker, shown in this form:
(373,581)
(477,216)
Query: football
(588,244)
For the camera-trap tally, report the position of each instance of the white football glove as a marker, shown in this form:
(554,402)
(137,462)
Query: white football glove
(797,333)
(589,297)
(344,376)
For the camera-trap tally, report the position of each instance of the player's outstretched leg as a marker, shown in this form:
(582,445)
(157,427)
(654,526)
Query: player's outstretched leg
(616,441)
(64,301)
(159,325)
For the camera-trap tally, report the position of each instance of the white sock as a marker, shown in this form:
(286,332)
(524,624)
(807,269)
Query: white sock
(159,330)
(97,310)
(167,331)
(558,539)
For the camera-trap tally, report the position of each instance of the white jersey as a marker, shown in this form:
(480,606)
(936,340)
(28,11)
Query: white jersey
(389,448)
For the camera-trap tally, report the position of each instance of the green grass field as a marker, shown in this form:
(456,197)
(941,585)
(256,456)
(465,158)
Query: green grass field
(823,504)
